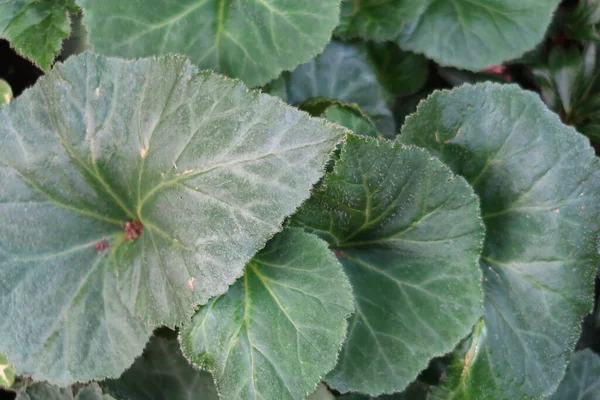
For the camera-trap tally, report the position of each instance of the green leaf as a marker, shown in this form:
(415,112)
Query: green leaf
(581,22)
(468,34)
(539,185)
(352,119)
(6,93)
(408,234)
(46,391)
(375,19)
(162,373)
(343,72)
(402,72)
(250,40)
(581,379)
(36,29)
(280,327)
(7,372)
(103,150)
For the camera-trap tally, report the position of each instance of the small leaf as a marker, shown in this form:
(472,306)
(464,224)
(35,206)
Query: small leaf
(280,327)
(6,93)
(408,234)
(36,29)
(468,34)
(539,185)
(162,373)
(352,119)
(132,191)
(250,40)
(343,72)
(7,372)
(581,379)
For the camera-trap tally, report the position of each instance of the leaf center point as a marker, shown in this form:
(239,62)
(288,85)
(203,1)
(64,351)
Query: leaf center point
(133,230)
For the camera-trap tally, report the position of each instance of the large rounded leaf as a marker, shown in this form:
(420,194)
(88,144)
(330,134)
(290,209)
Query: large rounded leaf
(131,192)
(253,40)
(36,29)
(343,72)
(280,327)
(469,34)
(539,185)
(408,234)
(162,373)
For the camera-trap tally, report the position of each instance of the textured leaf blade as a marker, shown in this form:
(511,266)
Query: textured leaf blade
(539,185)
(408,234)
(280,327)
(468,34)
(162,373)
(253,41)
(208,168)
(36,29)
(581,379)
(341,72)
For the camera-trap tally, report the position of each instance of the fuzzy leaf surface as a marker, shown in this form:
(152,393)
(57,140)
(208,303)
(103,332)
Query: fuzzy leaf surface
(408,234)
(36,29)
(208,168)
(253,40)
(280,327)
(539,185)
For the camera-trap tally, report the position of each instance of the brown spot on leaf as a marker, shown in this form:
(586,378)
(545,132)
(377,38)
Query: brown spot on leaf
(133,230)
(338,253)
(102,245)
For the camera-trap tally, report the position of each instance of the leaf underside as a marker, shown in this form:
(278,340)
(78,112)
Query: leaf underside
(36,29)
(250,40)
(539,185)
(468,34)
(206,167)
(408,234)
(280,327)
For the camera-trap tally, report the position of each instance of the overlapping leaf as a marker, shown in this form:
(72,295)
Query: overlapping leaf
(36,29)
(131,192)
(162,373)
(250,40)
(539,185)
(342,72)
(280,327)
(408,234)
(469,34)
(581,379)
